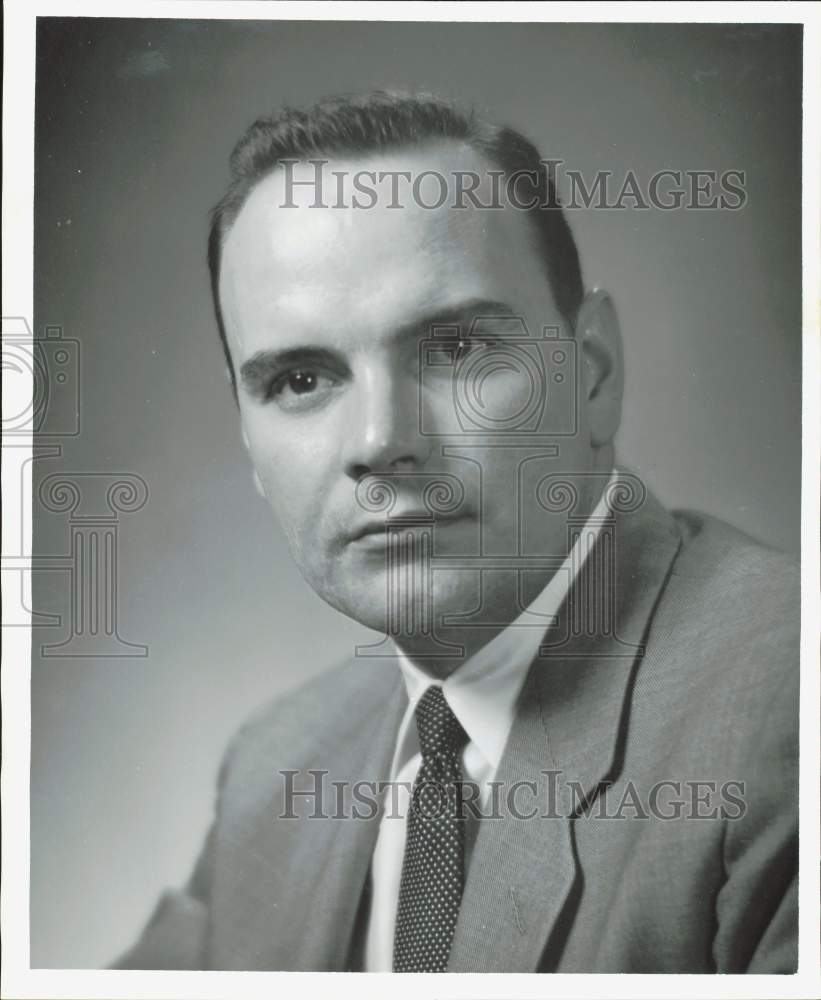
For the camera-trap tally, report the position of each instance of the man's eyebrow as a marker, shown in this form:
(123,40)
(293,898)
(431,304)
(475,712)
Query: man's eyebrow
(256,372)
(462,314)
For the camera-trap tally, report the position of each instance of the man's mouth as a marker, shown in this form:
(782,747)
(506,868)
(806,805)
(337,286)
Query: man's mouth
(376,532)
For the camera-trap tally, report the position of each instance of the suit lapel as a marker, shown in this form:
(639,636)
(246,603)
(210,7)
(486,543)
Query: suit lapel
(571,720)
(342,848)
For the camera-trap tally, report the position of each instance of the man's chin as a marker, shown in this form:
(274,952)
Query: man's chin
(408,604)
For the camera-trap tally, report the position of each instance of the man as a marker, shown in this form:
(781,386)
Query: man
(430,401)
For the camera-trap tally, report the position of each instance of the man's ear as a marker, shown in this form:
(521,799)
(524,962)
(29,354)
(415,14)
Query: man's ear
(602,378)
(255,475)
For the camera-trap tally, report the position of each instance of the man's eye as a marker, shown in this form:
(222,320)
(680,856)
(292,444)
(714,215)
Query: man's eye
(445,355)
(300,389)
(468,345)
(301,382)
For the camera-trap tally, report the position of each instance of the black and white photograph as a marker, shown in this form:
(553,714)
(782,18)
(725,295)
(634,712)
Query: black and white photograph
(410,488)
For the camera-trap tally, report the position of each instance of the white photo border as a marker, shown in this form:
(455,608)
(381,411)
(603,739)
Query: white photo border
(18,980)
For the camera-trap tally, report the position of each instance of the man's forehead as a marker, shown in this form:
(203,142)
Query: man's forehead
(429,192)
(287,262)
(402,177)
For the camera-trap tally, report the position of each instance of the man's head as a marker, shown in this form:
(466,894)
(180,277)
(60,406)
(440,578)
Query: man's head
(329,294)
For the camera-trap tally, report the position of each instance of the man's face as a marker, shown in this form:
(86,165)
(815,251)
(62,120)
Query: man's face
(327,311)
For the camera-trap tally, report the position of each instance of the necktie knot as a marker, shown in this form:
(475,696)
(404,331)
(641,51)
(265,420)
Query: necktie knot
(440,732)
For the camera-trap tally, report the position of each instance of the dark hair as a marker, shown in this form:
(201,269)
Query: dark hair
(384,121)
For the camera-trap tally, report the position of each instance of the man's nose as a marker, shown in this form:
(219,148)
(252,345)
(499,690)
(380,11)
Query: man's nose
(383,433)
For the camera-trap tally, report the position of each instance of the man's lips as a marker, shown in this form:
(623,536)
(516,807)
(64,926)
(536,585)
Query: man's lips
(374,532)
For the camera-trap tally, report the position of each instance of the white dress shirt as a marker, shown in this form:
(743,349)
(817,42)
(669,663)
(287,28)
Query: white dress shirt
(482,694)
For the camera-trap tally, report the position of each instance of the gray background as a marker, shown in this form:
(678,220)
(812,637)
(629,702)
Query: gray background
(135,120)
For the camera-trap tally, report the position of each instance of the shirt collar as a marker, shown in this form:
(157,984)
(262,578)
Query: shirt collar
(482,692)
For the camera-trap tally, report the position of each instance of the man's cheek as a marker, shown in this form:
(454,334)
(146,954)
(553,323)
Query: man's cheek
(501,394)
(287,500)
(296,501)
(279,488)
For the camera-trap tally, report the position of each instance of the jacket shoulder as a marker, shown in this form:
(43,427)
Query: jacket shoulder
(725,637)
(710,545)
(310,720)
(731,587)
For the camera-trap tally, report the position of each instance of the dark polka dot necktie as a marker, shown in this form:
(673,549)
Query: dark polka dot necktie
(430,890)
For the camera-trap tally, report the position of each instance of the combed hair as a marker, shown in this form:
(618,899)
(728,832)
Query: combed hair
(382,121)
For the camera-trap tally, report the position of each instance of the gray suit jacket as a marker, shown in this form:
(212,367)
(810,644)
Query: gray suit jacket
(689,673)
